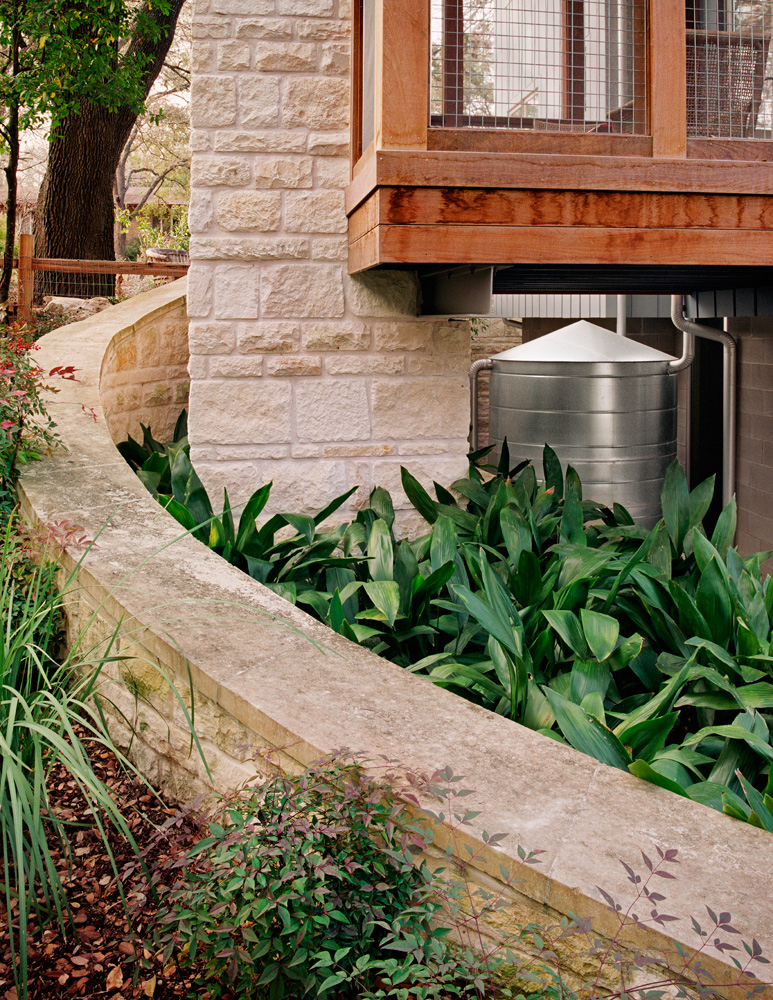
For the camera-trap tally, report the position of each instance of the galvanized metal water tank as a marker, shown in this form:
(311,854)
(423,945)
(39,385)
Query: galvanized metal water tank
(605,404)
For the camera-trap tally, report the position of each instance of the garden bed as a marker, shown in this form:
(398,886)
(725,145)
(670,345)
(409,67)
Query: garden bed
(265,673)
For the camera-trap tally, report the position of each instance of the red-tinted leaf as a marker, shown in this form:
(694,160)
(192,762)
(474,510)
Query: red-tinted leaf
(664,874)
(607,897)
(647,861)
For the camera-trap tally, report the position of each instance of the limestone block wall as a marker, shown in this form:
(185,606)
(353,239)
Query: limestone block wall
(145,371)
(300,373)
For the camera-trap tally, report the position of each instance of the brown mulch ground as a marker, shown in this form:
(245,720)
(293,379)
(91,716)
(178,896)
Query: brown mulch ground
(102,956)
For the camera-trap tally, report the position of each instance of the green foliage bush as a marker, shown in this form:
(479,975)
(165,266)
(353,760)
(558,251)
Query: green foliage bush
(650,650)
(306,886)
(26,430)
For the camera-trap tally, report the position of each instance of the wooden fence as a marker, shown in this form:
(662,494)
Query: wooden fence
(28,264)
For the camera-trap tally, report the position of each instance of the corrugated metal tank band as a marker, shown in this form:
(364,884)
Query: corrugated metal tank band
(605,404)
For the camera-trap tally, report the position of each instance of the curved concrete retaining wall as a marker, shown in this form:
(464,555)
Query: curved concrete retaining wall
(264,673)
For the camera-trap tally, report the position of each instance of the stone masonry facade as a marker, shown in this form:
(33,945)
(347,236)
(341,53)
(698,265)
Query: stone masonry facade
(299,372)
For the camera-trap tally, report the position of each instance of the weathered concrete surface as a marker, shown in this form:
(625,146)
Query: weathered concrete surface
(265,673)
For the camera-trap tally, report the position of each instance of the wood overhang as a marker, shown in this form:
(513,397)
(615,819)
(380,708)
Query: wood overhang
(472,207)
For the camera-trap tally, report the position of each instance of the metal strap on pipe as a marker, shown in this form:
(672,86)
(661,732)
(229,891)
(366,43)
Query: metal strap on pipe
(475,368)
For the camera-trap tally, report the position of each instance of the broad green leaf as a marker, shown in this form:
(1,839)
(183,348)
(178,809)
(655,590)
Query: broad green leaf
(733,732)
(418,496)
(700,500)
(473,491)
(661,703)
(381,551)
(593,704)
(385,595)
(444,542)
(336,612)
(586,734)
(571,527)
(554,476)
(259,569)
(643,770)
(567,624)
(227,519)
(713,600)
(659,552)
(675,502)
(433,583)
(516,533)
(497,595)
(708,793)
(288,591)
(487,617)
(601,632)
(758,805)
(690,618)
(645,739)
(582,564)
(381,503)
(252,509)
(303,524)
(724,532)
(189,491)
(179,513)
(537,713)
(588,677)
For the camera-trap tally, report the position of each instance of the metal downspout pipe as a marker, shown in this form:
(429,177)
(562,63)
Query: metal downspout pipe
(475,369)
(690,330)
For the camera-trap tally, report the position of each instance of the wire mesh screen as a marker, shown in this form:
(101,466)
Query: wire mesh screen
(728,68)
(550,65)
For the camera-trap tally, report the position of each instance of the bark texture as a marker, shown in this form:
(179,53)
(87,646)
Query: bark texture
(74,212)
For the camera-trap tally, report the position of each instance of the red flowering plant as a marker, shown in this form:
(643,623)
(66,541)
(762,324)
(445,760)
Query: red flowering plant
(26,430)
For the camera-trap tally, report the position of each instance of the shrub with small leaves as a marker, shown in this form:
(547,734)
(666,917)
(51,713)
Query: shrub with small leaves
(26,430)
(307,887)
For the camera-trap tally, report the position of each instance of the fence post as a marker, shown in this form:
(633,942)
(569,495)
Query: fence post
(26,278)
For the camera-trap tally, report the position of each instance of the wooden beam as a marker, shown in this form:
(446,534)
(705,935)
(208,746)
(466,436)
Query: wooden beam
(573,60)
(481,207)
(364,253)
(363,181)
(435,168)
(567,245)
(504,140)
(453,62)
(26,281)
(668,78)
(402,74)
(66,266)
(355,84)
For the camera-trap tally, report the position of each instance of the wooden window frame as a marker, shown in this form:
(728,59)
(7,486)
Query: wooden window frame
(402,119)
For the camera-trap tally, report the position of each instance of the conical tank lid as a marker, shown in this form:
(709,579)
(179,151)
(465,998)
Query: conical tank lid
(583,342)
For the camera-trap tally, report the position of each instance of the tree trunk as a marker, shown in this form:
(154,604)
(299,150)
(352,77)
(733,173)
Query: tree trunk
(10,210)
(11,137)
(74,214)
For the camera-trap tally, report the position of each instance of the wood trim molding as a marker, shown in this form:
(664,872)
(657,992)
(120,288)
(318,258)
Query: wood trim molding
(565,245)
(667,61)
(440,168)
(402,74)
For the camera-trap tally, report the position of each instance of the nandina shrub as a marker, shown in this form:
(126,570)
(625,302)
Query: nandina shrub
(305,887)
(26,430)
